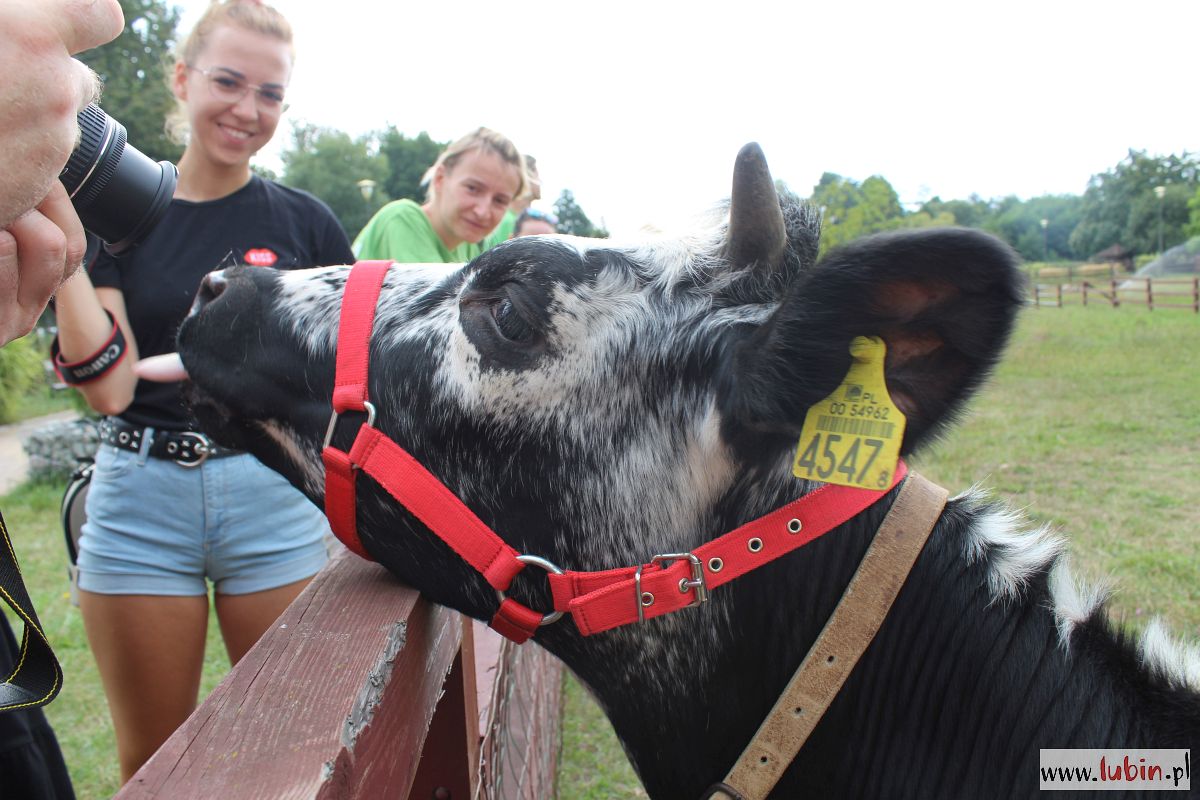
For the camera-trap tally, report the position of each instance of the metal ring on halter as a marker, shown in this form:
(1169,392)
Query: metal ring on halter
(549,566)
(370,423)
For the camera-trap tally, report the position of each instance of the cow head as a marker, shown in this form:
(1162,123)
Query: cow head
(597,403)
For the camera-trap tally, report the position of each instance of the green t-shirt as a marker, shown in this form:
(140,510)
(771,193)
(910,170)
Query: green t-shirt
(400,231)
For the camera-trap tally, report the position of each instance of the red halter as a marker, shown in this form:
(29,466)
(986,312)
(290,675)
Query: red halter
(597,601)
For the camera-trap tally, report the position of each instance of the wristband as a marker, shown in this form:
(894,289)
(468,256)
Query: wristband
(95,365)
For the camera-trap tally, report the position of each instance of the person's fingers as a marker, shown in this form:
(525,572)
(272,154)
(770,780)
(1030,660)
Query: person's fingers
(15,321)
(84,24)
(57,208)
(41,260)
(89,86)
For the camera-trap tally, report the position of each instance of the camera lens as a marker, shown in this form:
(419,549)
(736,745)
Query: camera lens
(118,193)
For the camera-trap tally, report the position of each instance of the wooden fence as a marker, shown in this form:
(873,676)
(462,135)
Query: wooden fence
(1153,293)
(363,689)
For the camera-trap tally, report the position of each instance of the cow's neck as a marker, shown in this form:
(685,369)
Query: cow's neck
(686,694)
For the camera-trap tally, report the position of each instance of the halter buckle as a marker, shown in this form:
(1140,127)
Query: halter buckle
(370,423)
(549,566)
(695,582)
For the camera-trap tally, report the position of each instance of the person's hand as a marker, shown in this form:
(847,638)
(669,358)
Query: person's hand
(41,94)
(37,253)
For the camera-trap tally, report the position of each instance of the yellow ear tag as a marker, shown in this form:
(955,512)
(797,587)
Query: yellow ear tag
(852,437)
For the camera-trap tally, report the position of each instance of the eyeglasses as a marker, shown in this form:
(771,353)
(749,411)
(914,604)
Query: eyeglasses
(229,86)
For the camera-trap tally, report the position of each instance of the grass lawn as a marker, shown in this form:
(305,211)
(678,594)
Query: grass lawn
(1091,424)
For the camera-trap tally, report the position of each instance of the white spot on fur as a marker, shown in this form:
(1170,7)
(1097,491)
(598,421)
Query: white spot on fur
(1170,659)
(1014,552)
(311,470)
(1073,601)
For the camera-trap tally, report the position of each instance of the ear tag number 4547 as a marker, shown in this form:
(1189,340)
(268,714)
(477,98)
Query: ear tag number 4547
(852,437)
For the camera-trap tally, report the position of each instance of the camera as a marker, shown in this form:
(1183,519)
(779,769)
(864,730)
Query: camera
(118,192)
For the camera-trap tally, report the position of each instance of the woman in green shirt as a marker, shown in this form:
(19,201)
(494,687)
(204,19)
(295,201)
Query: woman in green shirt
(469,188)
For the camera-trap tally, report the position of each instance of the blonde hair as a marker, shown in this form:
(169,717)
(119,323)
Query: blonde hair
(483,139)
(250,15)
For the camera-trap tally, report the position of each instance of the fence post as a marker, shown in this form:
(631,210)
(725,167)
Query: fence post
(1083,287)
(1196,295)
(1116,301)
(1149,294)
(447,768)
(1058,296)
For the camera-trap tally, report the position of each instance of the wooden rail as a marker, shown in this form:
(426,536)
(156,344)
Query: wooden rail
(362,689)
(1161,293)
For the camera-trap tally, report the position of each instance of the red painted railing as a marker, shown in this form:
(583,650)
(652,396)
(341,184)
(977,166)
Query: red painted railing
(362,689)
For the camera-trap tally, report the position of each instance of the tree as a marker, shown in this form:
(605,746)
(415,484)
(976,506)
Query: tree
(407,160)
(572,220)
(1019,222)
(970,213)
(851,210)
(1120,206)
(1193,226)
(329,164)
(133,67)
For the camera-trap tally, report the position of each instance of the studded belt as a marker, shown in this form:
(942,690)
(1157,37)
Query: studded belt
(185,448)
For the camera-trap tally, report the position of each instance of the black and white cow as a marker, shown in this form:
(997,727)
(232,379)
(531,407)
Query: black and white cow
(596,404)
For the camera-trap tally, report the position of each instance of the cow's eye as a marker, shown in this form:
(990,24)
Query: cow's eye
(510,323)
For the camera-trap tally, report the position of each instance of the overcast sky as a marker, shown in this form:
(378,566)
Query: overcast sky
(640,107)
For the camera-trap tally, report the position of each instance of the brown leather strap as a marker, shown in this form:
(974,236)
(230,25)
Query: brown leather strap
(846,635)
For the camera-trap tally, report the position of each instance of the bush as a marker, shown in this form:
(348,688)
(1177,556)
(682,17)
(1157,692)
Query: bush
(20,370)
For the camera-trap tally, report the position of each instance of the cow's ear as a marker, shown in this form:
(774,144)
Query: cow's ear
(944,301)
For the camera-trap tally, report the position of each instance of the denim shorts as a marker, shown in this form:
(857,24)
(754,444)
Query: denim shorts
(157,528)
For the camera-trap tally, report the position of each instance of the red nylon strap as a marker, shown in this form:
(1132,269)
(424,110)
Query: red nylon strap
(340,500)
(599,601)
(436,506)
(354,334)
(515,621)
(350,393)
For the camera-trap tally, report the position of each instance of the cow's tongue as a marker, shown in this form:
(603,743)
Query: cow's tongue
(162,369)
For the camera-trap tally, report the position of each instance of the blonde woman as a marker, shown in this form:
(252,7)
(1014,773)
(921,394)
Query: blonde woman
(469,188)
(170,512)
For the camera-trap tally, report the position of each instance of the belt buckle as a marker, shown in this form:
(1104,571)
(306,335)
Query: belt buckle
(202,449)
(696,582)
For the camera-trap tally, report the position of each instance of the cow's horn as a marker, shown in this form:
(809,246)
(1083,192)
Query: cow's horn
(756,232)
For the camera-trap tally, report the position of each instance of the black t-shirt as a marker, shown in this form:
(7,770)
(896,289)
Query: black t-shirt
(262,224)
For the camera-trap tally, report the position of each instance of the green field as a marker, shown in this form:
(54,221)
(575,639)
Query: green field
(1092,424)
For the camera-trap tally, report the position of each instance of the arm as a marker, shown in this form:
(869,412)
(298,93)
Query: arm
(42,92)
(84,327)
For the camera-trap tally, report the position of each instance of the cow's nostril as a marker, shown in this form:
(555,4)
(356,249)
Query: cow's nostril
(211,287)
